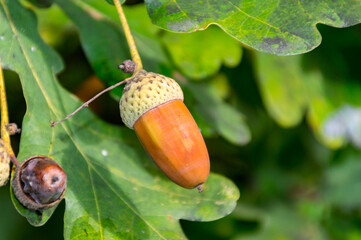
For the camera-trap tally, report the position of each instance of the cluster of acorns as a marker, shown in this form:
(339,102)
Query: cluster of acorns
(152,105)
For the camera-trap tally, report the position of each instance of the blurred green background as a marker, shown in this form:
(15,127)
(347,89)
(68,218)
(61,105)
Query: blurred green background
(289,135)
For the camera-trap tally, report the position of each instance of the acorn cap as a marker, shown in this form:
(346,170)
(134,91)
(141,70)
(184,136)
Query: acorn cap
(19,186)
(145,91)
(4,164)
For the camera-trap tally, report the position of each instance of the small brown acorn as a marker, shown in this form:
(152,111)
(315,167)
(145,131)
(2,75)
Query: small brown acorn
(4,163)
(39,183)
(153,105)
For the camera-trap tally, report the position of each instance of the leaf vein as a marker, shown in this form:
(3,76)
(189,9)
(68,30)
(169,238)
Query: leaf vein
(126,203)
(10,49)
(96,202)
(184,13)
(115,172)
(250,16)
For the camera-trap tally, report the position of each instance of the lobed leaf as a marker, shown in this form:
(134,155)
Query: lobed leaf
(276,27)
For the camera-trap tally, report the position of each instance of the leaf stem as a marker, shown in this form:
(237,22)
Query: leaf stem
(86,104)
(133,48)
(5,119)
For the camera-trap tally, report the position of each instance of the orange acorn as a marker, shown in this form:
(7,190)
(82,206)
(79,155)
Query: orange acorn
(152,104)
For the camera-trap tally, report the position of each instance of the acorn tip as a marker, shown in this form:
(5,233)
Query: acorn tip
(200,189)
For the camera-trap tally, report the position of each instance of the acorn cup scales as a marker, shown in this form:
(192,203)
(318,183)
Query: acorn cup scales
(153,105)
(4,164)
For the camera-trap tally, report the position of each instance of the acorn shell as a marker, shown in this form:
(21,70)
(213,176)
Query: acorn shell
(145,91)
(153,105)
(4,164)
(173,140)
(24,198)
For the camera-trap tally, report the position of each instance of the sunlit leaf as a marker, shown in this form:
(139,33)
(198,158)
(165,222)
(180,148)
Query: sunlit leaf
(282,85)
(277,27)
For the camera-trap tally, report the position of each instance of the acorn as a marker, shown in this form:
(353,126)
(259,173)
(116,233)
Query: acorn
(39,183)
(152,105)
(4,164)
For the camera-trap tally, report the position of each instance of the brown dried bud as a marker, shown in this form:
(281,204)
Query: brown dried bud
(12,128)
(128,66)
(39,183)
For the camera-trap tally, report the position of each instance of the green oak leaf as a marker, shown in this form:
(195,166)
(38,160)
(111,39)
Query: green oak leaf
(201,54)
(277,27)
(283,85)
(114,190)
(333,109)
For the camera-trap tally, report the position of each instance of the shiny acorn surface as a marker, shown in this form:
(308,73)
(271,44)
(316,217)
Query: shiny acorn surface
(153,105)
(173,140)
(39,183)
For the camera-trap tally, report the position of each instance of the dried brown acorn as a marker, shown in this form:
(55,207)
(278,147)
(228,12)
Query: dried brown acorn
(39,183)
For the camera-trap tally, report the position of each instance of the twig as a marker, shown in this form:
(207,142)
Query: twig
(86,104)
(133,48)
(5,119)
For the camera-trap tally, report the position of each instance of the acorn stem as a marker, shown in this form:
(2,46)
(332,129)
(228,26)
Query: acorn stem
(86,104)
(5,118)
(133,48)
